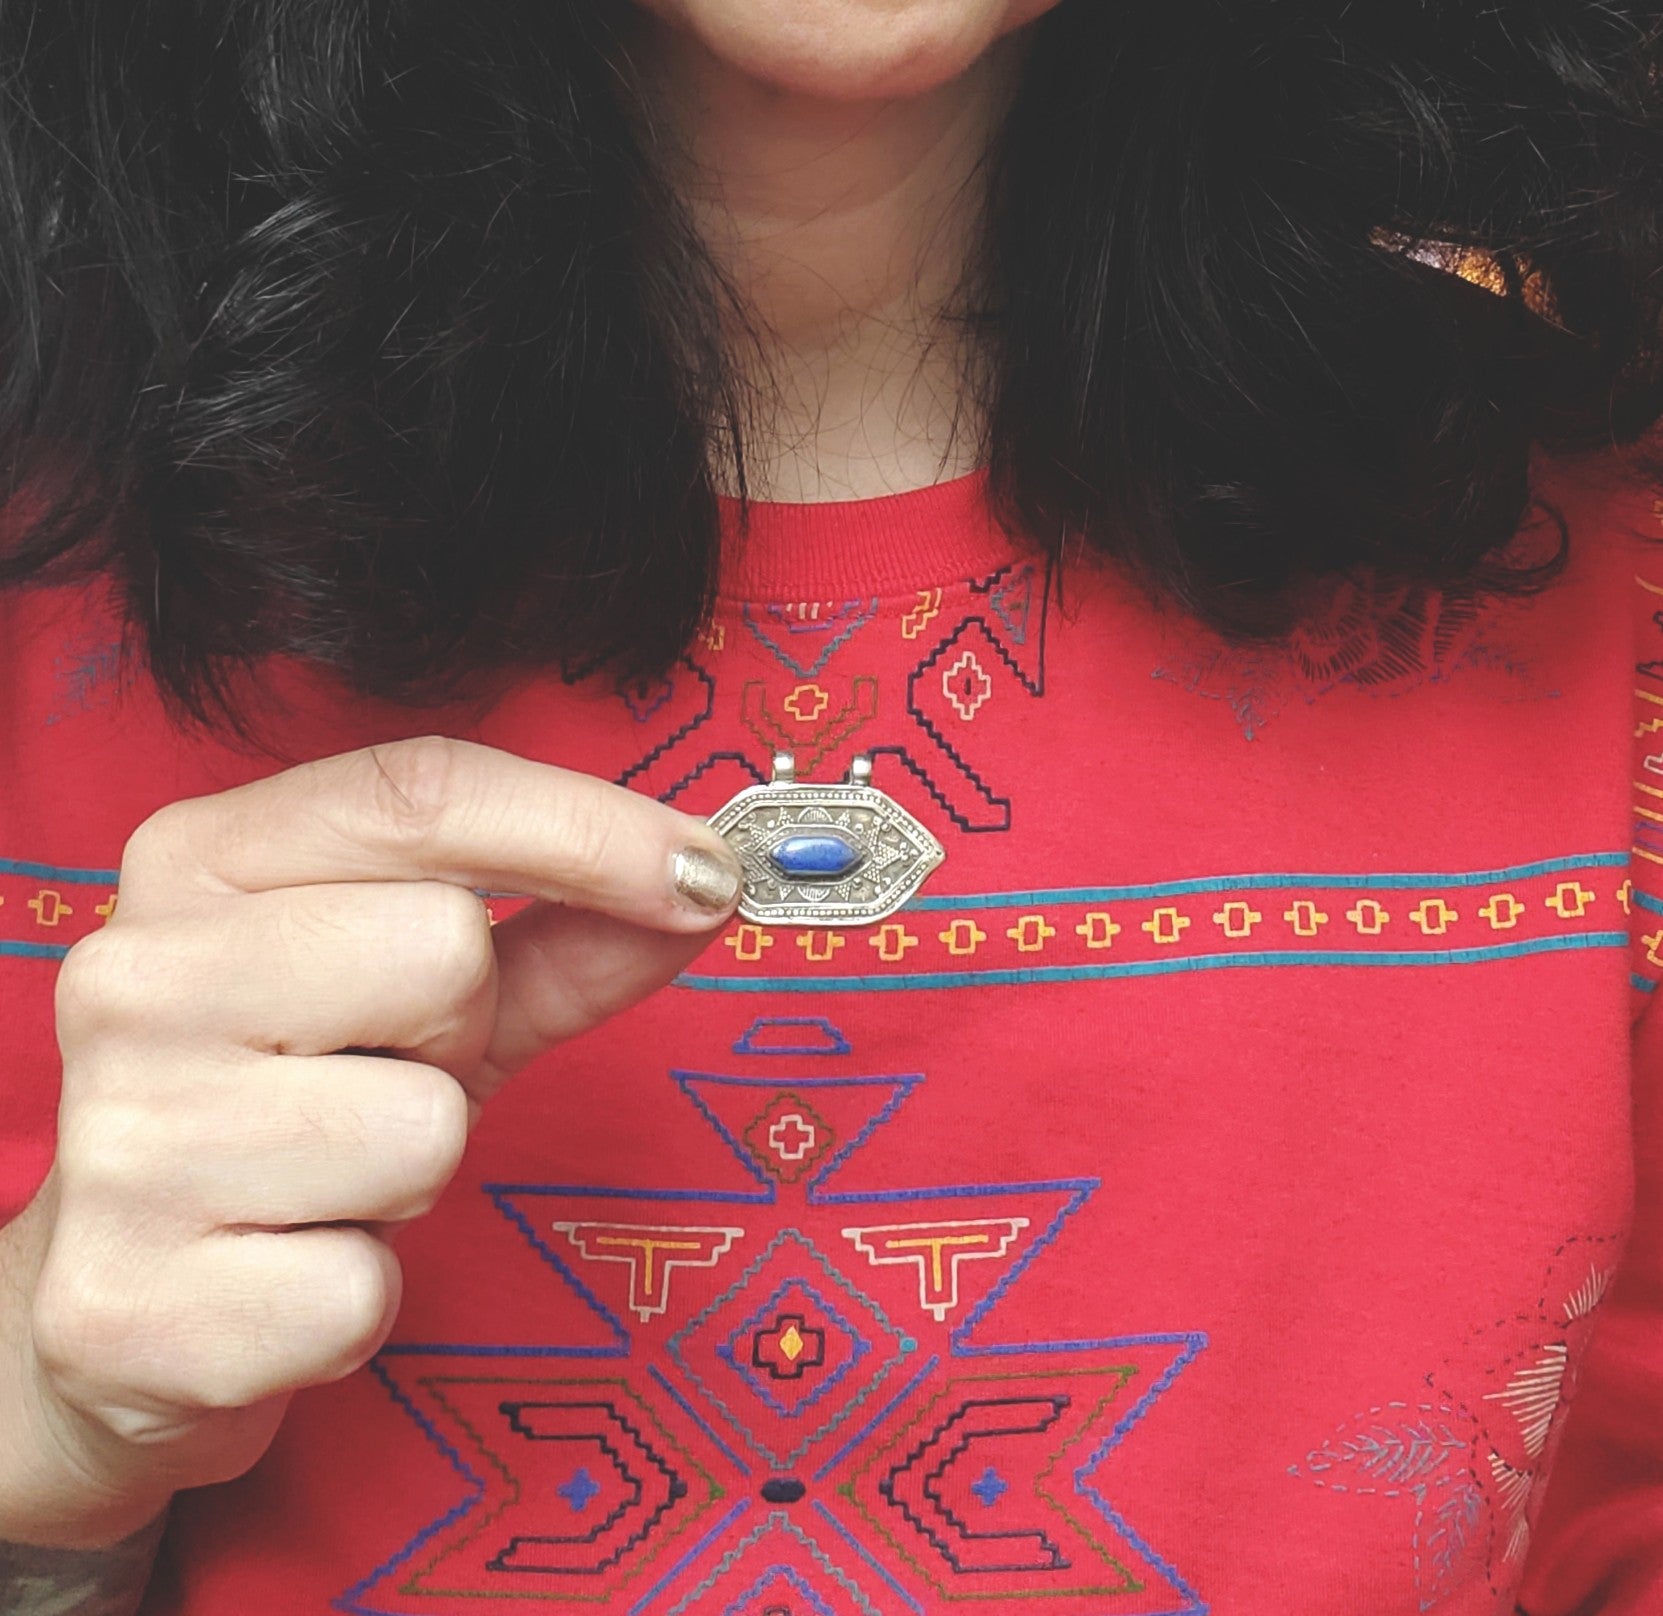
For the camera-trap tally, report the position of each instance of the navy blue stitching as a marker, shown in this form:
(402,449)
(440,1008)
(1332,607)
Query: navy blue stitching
(681,734)
(681,1402)
(349,1600)
(826,651)
(837,1044)
(645,1601)
(877,1419)
(865,1554)
(1083,1484)
(700,770)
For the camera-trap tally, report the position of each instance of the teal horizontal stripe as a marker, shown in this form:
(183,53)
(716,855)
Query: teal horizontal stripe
(1261,883)
(1072,973)
(1024,975)
(51,951)
(1644,984)
(1652,906)
(1159,889)
(961,902)
(1254,883)
(59,872)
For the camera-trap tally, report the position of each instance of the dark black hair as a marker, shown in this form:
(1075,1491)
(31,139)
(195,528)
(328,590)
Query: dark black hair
(366,330)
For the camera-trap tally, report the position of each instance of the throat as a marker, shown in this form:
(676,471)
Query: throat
(848,233)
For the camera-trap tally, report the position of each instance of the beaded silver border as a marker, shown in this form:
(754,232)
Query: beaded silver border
(898,853)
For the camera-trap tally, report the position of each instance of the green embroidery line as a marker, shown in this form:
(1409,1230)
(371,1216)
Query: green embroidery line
(847,1491)
(715,1492)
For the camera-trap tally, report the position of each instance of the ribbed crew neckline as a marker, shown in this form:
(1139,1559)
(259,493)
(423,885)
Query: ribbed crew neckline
(890,545)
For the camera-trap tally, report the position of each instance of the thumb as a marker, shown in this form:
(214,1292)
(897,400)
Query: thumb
(562,971)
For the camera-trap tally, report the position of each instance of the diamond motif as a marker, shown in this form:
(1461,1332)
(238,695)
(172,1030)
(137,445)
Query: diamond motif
(733,1352)
(792,1378)
(789,1137)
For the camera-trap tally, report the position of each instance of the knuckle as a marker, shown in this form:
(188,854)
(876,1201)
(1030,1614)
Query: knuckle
(92,983)
(410,784)
(311,926)
(56,1321)
(449,930)
(363,1290)
(235,1378)
(587,831)
(108,983)
(322,1318)
(107,1147)
(432,1134)
(155,841)
(446,1128)
(80,1324)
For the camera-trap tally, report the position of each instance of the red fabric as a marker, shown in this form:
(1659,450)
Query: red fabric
(1202,1198)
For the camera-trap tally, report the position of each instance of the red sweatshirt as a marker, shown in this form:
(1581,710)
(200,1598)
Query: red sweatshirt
(1209,1194)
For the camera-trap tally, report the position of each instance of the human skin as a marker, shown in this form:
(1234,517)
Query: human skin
(847,50)
(271,1056)
(829,152)
(154,1323)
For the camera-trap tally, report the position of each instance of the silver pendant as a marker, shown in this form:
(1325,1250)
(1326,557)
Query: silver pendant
(840,854)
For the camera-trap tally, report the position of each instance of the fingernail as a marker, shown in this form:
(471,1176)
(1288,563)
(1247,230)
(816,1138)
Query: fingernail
(704,879)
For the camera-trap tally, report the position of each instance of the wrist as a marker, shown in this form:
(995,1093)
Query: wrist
(53,1492)
(108,1581)
(62,1485)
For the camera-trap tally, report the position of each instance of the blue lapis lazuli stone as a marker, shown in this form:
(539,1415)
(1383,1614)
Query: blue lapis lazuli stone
(821,856)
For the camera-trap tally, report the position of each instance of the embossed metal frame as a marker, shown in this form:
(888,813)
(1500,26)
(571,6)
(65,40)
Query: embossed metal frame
(763,816)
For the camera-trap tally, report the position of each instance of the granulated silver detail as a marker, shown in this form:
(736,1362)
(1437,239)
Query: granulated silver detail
(834,854)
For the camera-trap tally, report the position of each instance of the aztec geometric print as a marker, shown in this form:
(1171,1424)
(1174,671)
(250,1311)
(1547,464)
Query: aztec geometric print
(781,1396)
(823,715)
(1257,921)
(1368,635)
(1217,922)
(1466,1470)
(1648,785)
(1193,923)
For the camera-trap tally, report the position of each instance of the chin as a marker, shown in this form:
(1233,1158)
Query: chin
(849,50)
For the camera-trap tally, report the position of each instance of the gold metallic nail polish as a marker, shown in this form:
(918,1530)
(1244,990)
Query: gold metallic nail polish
(705,880)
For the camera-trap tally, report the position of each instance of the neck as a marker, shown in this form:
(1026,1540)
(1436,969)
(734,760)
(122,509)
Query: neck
(847,229)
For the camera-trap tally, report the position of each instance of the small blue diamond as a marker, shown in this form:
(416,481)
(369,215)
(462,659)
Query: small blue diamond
(580,1491)
(990,1488)
(825,855)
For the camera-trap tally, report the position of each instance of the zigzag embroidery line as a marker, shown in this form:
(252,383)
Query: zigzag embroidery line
(851,616)
(693,775)
(674,740)
(645,1602)
(351,1599)
(1197,1342)
(778,1520)
(866,1554)
(674,1347)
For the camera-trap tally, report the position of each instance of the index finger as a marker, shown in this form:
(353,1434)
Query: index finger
(435,809)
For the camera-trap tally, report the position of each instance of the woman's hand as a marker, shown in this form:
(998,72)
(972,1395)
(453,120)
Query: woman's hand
(272,1053)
